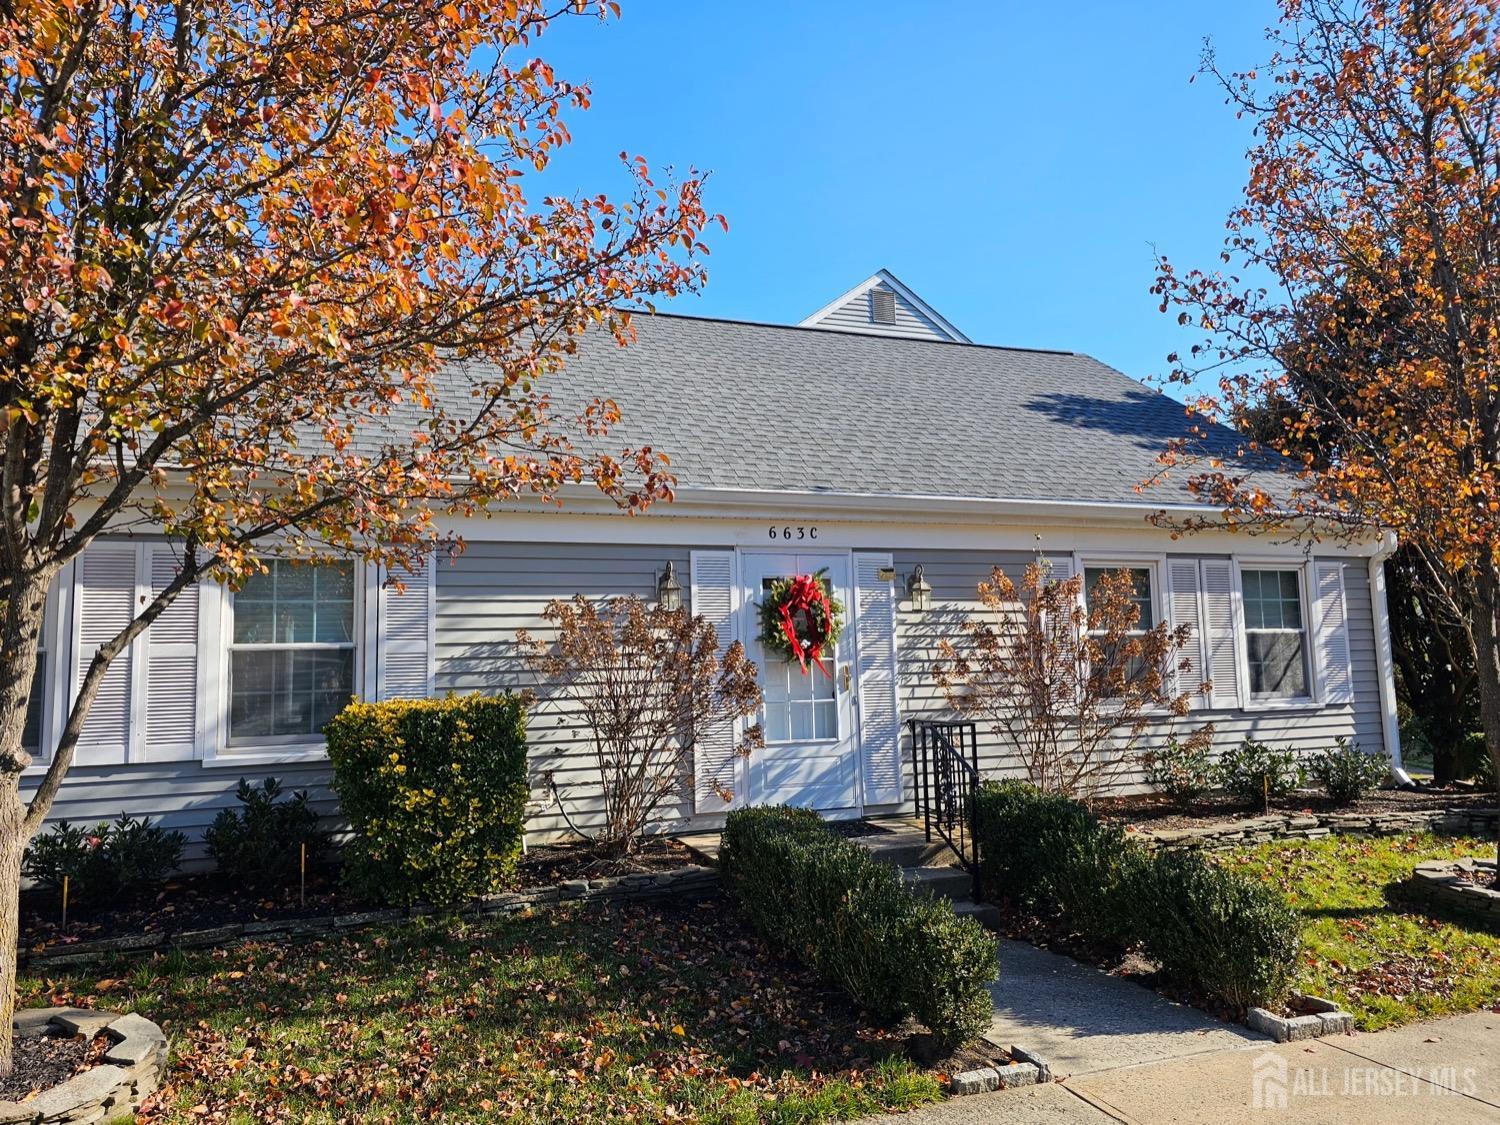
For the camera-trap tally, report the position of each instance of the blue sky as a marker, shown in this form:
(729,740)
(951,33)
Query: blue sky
(1015,163)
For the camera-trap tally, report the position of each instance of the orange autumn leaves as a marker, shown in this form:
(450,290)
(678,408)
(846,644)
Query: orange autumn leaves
(1353,324)
(238,241)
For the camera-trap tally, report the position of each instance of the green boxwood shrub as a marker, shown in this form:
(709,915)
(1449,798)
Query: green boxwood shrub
(827,902)
(1347,773)
(260,845)
(1042,849)
(1218,930)
(435,790)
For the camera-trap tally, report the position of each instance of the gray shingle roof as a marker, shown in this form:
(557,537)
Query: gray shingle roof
(767,407)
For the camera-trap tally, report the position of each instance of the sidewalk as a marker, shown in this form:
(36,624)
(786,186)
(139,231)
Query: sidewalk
(1124,1054)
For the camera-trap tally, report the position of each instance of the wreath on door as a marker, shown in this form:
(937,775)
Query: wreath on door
(800,618)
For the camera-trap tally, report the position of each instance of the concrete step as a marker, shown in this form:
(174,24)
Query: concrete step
(904,846)
(985,913)
(946,882)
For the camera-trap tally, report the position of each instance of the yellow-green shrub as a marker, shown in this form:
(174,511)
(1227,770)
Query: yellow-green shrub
(435,790)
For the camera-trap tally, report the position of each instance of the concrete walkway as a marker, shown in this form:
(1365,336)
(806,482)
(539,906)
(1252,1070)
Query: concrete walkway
(1082,1020)
(1124,1054)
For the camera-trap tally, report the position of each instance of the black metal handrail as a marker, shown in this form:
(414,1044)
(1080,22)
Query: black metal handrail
(945,756)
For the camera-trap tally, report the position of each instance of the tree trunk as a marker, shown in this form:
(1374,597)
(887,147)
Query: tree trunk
(12,847)
(20,634)
(1486,625)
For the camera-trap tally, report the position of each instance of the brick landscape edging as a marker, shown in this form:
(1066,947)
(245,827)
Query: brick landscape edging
(1028,1070)
(1438,883)
(129,1073)
(1313,826)
(689,882)
(1326,1018)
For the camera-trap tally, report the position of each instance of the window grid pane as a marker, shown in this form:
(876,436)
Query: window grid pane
(292,690)
(1275,636)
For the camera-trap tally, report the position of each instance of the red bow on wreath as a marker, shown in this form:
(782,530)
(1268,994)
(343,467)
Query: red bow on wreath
(805,593)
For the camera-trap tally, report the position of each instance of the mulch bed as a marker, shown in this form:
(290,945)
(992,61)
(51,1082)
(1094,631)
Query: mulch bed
(549,864)
(45,1061)
(202,902)
(1157,811)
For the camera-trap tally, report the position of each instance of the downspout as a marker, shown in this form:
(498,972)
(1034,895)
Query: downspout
(1385,664)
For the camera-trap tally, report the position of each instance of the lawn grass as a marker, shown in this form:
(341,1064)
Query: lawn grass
(1387,963)
(637,1013)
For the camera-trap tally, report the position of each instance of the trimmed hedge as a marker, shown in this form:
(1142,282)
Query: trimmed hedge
(436,792)
(1220,931)
(825,901)
(1216,930)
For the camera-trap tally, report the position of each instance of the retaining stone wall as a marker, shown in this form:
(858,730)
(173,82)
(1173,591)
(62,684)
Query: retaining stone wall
(130,1072)
(1312,826)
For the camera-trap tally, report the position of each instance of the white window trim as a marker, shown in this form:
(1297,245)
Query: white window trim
(1248,701)
(216,627)
(1155,564)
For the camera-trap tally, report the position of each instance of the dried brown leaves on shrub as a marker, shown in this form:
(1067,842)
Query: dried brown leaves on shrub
(647,684)
(1071,688)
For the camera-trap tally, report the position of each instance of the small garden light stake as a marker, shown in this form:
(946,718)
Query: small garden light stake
(302,867)
(65,904)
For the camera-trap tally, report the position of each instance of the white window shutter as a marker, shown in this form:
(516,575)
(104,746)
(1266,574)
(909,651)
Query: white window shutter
(713,598)
(405,652)
(1183,602)
(1222,644)
(104,597)
(1331,628)
(875,646)
(166,727)
(1060,569)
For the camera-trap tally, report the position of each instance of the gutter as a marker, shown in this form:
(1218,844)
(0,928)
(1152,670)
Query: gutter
(1385,663)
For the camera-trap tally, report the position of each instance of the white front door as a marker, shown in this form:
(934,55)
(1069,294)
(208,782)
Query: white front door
(811,754)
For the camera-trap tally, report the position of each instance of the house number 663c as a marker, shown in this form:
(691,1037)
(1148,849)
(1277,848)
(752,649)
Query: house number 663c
(789,531)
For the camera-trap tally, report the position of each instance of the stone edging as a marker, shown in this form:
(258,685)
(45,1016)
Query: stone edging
(1028,1070)
(1438,883)
(1312,826)
(1326,1018)
(689,882)
(130,1072)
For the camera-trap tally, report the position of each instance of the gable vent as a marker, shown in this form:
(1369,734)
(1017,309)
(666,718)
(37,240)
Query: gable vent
(882,306)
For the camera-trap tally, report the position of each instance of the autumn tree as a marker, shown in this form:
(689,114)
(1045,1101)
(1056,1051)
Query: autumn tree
(648,684)
(1367,244)
(238,242)
(1071,680)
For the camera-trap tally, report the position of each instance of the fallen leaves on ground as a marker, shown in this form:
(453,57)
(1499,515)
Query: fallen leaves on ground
(641,1013)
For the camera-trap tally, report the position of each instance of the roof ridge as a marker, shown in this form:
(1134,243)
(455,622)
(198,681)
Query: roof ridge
(857,335)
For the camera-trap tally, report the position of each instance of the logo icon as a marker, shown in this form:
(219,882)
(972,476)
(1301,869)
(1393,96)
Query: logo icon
(1268,1082)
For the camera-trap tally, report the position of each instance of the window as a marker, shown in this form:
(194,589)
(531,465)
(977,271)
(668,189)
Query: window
(1275,634)
(798,707)
(291,659)
(36,702)
(1140,595)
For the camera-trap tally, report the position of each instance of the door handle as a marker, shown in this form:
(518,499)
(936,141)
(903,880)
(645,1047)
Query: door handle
(844,677)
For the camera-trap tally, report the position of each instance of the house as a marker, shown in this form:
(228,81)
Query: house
(873,441)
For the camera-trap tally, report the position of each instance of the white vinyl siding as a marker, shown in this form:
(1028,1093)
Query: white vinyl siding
(954,574)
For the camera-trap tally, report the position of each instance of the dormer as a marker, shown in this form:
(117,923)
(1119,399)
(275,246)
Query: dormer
(882,306)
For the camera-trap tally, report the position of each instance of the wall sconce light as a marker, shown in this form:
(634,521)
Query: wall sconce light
(919,590)
(669,590)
